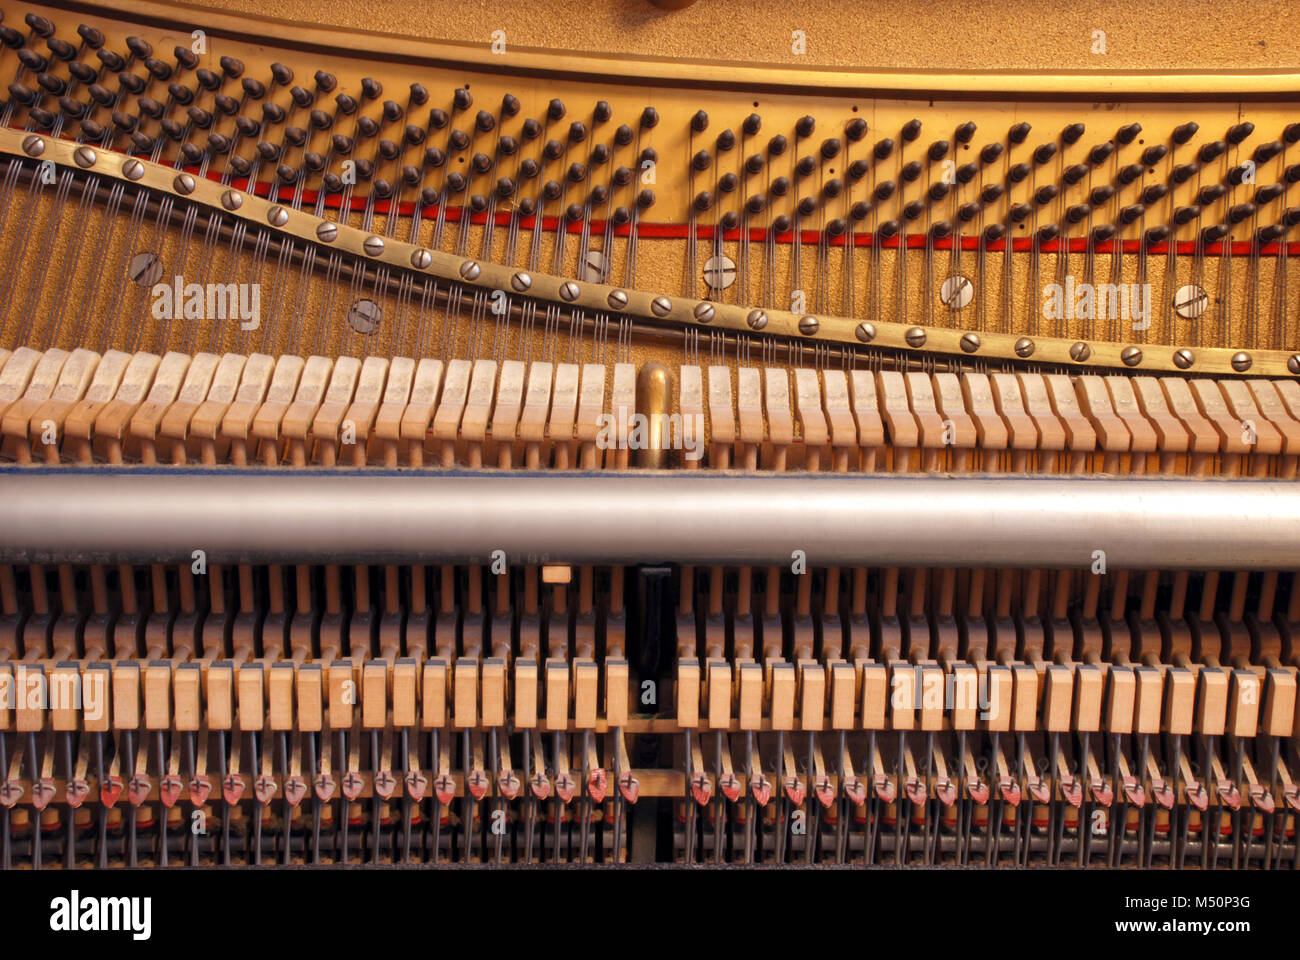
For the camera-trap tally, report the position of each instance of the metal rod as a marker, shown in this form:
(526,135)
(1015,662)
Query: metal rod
(153,515)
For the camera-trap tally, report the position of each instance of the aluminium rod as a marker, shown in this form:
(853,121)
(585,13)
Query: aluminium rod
(162,515)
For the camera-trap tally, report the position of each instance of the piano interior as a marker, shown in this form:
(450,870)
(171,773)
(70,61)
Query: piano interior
(431,449)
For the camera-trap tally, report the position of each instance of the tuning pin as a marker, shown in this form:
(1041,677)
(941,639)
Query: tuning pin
(1266,195)
(991,193)
(1074,173)
(1100,153)
(1240,212)
(1018,172)
(911,172)
(728,182)
(968,212)
(888,229)
(1100,196)
(180,93)
(807,206)
(804,127)
(1045,194)
(1044,153)
(883,148)
(1102,233)
(1291,217)
(1239,132)
(781,224)
(776,146)
(830,148)
(1208,195)
(938,150)
(859,211)
(1183,172)
(911,130)
(1048,233)
(645,199)
(1130,172)
(1211,151)
(884,190)
(805,166)
(1154,154)
(84,73)
(700,121)
(1185,132)
(240,165)
(1071,134)
(725,141)
(1271,234)
(701,160)
(993,233)
(940,229)
(857,170)
(602,112)
(93,37)
(1078,213)
(913,210)
(1131,214)
(990,153)
(54,86)
(368,127)
(346,104)
(649,116)
(1019,133)
(1267,151)
(1154,193)
(938,190)
(112,62)
(1214,234)
(32,60)
(599,155)
(1127,134)
(856,129)
(623,135)
(966,172)
(755,204)
(622,215)
(1237,175)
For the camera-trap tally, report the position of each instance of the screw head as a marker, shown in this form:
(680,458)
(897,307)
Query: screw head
(277,216)
(33,146)
(1131,356)
(757,319)
(231,200)
(569,291)
(327,232)
(183,183)
(661,306)
(521,281)
(84,156)
(469,270)
(970,342)
(704,312)
(1024,347)
(133,169)
(1241,361)
(809,325)
(421,258)
(1293,363)
(617,299)
(1184,358)
(373,246)
(1080,352)
(865,332)
(915,337)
